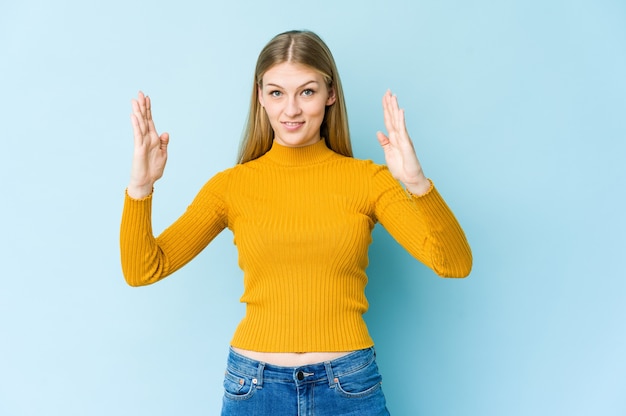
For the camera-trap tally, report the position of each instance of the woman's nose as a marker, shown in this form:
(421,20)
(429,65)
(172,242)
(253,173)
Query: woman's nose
(293,107)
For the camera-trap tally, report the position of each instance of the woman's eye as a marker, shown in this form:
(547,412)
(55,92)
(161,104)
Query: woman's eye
(308,92)
(275,93)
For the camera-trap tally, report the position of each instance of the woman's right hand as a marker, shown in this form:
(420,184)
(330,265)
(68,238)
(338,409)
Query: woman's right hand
(150,151)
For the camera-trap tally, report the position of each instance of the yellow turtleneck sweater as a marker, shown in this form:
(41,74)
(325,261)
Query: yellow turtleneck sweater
(302,220)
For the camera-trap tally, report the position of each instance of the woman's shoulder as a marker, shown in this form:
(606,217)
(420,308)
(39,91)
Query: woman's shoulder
(366,165)
(219,180)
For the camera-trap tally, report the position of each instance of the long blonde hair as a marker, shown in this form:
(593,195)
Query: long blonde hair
(299,47)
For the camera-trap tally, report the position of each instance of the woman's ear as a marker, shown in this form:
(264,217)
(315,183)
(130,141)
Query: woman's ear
(331,97)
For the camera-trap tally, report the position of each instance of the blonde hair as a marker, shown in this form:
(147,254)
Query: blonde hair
(299,47)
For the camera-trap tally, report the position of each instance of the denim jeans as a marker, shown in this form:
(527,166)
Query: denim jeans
(347,386)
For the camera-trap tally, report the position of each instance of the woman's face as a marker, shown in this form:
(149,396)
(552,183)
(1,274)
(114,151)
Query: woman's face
(295,97)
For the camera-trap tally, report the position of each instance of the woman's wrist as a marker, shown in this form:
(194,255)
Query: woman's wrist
(419,188)
(139,191)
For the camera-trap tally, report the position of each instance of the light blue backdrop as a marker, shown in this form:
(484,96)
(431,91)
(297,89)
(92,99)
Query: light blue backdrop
(517,109)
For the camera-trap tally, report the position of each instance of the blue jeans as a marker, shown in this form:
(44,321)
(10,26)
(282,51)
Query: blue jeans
(347,386)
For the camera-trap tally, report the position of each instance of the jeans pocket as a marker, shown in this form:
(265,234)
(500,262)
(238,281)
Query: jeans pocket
(361,383)
(238,387)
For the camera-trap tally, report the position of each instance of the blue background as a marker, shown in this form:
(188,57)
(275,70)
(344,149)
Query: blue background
(517,109)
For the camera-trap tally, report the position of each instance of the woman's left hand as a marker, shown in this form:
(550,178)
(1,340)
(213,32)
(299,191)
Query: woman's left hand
(398,147)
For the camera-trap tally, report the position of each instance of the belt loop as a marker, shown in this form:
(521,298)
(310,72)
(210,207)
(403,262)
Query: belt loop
(259,376)
(330,374)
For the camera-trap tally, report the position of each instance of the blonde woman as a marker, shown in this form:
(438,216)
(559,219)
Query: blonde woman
(302,210)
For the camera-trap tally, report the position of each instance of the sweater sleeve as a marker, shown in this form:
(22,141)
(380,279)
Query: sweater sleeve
(147,259)
(424,225)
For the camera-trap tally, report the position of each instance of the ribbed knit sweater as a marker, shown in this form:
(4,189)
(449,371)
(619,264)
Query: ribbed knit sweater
(302,220)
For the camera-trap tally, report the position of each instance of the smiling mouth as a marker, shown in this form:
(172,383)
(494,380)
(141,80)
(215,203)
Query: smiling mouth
(292,125)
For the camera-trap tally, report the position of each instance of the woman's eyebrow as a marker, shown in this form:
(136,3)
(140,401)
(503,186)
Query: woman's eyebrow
(271,84)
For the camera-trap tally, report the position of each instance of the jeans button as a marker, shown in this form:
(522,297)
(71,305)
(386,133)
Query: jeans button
(300,375)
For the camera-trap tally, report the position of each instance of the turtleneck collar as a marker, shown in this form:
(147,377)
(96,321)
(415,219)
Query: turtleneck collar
(299,156)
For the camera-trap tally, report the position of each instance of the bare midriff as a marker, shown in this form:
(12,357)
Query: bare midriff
(291,359)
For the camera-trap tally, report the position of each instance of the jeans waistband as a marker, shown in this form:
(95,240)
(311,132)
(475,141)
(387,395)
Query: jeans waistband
(262,372)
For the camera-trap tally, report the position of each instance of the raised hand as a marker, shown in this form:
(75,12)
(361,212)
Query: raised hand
(398,147)
(150,150)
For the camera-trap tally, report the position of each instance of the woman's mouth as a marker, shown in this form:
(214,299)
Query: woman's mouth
(292,125)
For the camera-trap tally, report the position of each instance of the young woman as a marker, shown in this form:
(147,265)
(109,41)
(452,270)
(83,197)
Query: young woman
(302,210)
